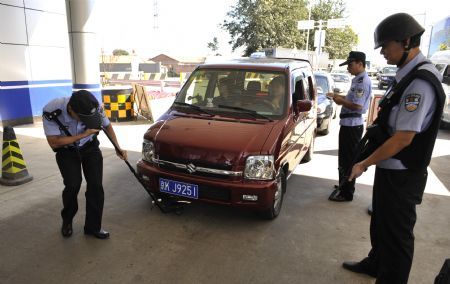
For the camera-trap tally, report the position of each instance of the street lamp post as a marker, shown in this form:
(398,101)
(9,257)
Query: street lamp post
(309,19)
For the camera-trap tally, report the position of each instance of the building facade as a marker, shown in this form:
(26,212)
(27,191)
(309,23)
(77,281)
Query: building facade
(35,57)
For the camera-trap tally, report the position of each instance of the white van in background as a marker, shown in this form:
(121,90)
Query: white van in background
(441,59)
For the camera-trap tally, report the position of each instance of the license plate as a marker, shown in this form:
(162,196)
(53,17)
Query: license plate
(178,188)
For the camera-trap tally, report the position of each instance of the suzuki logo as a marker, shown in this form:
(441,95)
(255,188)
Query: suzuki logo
(191,168)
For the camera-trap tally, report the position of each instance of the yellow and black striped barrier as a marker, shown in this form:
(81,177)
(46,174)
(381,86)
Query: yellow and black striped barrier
(14,169)
(155,76)
(118,104)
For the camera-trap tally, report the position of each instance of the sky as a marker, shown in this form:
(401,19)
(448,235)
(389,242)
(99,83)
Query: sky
(184,27)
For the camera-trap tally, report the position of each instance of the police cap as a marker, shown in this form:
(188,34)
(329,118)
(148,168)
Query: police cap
(354,56)
(85,105)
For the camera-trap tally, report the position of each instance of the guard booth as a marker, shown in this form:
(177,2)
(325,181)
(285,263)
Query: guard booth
(118,103)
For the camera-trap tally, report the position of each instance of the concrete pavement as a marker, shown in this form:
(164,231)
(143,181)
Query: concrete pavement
(206,244)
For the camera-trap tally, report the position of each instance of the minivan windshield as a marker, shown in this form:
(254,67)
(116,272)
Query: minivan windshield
(236,92)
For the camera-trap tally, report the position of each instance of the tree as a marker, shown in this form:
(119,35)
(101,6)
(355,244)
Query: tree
(214,45)
(338,42)
(258,24)
(118,52)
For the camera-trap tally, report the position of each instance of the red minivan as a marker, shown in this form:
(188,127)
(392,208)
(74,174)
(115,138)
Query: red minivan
(234,134)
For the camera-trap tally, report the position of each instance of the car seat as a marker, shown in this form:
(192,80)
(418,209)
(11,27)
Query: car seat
(253,87)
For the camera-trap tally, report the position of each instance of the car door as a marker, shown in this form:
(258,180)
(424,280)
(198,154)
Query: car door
(298,120)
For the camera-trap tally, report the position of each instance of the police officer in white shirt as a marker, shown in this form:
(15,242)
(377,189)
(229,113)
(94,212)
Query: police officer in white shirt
(71,125)
(409,114)
(354,105)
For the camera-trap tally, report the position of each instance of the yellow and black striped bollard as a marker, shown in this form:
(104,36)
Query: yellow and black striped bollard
(14,169)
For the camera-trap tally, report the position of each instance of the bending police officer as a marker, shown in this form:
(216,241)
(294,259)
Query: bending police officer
(354,105)
(73,136)
(410,113)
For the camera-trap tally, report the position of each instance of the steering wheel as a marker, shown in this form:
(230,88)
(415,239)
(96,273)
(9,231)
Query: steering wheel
(264,103)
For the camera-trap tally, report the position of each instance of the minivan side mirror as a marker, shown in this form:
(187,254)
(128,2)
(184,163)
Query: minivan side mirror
(304,105)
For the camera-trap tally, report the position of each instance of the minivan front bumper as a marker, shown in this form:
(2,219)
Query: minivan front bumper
(227,191)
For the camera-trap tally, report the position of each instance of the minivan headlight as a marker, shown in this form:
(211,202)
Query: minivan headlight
(259,167)
(148,151)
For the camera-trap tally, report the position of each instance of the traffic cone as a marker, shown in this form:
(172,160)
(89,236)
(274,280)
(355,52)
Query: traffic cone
(14,169)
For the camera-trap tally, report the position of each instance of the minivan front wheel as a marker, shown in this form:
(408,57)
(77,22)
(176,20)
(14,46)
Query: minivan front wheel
(308,156)
(275,210)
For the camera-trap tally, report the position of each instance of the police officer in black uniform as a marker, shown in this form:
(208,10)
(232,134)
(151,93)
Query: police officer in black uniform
(354,105)
(71,126)
(409,114)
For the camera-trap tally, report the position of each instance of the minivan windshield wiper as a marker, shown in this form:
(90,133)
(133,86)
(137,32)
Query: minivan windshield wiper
(193,107)
(254,113)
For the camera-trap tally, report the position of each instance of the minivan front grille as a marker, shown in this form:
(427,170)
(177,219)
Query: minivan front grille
(190,168)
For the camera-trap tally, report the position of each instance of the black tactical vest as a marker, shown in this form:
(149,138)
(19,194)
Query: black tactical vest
(417,155)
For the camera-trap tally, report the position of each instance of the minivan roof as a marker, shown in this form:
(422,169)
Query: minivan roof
(260,63)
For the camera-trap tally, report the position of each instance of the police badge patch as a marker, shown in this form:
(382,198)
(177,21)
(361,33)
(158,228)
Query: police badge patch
(359,92)
(412,102)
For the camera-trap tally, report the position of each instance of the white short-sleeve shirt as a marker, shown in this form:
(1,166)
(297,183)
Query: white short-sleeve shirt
(51,128)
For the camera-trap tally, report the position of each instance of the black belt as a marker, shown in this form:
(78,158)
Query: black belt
(94,142)
(351,114)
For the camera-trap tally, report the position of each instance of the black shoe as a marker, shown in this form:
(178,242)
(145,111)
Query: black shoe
(66,230)
(360,267)
(335,186)
(370,210)
(102,234)
(340,196)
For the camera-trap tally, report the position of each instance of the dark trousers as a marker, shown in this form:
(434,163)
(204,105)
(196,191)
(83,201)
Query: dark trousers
(395,196)
(349,137)
(90,161)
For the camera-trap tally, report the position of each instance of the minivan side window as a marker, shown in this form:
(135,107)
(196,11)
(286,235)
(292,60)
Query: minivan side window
(307,89)
(299,89)
(310,88)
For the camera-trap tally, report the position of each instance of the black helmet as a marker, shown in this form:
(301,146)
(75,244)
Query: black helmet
(397,27)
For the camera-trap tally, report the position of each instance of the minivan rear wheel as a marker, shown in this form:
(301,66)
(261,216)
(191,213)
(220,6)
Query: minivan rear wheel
(275,210)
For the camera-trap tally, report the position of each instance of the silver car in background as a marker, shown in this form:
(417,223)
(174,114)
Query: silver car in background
(441,60)
(326,107)
(342,81)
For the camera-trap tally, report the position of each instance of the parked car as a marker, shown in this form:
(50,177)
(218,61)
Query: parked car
(342,81)
(372,72)
(326,108)
(441,60)
(445,120)
(234,134)
(386,76)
